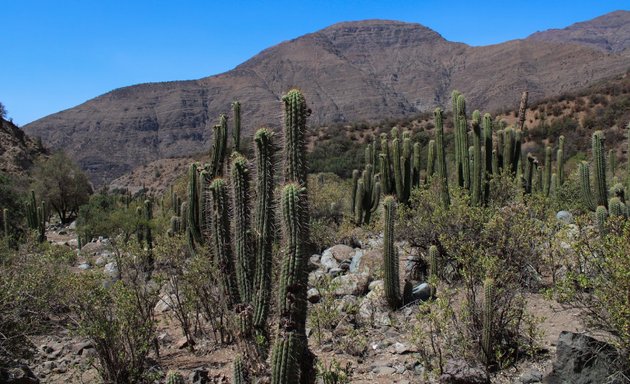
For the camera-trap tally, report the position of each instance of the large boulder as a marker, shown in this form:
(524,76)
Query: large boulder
(355,284)
(341,252)
(581,359)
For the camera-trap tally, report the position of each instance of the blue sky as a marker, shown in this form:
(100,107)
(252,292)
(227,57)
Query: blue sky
(58,54)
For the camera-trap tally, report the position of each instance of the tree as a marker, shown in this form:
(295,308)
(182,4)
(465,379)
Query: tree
(3,111)
(62,184)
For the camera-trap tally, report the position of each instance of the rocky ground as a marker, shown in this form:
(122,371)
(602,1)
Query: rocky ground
(374,344)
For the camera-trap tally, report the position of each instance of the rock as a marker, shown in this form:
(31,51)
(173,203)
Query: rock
(421,292)
(347,304)
(328,262)
(384,371)
(457,371)
(74,243)
(101,261)
(370,262)
(315,277)
(564,217)
(374,310)
(111,269)
(352,284)
(72,226)
(184,343)
(401,348)
(531,376)
(78,348)
(19,375)
(341,252)
(85,266)
(199,376)
(356,260)
(376,284)
(165,303)
(334,272)
(313,296)
(581,359)
(345,265)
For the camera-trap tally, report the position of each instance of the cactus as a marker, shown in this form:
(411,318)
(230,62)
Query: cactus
(367,196)
(219,148)
(441,158)
(295,113)
(612,162)
(173,377)
(618,191)
(601,191)
(291,340)
(430,161)
(487,143)
(434,253)
(547,172)
(238,371)
(476,192)
(532,163)
(522,108)
(236,133)
(387,182)
(240,181)
(463,141)
(220,240)
(148,216)
(585,182)
(601,214)
(415,178)
(617,208)
(194,208)
(560,160)
(41,222)
(397,163)
(390,256)
(175,226)
(263,226)
(486,336)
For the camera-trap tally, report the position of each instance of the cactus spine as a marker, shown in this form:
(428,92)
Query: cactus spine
(236,133)
(441,158)
(390,256)
(221,241)
(486,337)
(601,191)
(242,241)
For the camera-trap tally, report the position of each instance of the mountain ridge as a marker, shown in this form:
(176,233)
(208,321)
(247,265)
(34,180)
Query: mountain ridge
(362,70)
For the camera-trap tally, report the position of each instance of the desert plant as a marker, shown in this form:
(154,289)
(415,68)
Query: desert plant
(390,256)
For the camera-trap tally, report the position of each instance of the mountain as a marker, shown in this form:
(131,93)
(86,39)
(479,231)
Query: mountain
(366,70)
(17,151)
(609,33)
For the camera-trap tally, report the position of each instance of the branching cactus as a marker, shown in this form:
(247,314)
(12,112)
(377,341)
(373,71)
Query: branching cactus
(390,256)
(263,226)
(367,196)
(220,239)
(441,158)
(487,332)
(240,180)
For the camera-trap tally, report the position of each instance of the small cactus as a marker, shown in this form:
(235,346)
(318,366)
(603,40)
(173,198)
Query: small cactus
(601,214)
(174,377)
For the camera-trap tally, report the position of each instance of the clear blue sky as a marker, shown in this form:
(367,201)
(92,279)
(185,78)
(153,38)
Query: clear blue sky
(58,54)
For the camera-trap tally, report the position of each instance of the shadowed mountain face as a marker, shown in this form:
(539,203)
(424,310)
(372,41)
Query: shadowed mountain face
(367,70)
(18,152)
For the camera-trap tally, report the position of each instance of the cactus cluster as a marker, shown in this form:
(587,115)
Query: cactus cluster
(36,216)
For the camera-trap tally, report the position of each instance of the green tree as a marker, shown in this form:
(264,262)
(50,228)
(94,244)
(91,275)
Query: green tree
(3,111)
(62,184)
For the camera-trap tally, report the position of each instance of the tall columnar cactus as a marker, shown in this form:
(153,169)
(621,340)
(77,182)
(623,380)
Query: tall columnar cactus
(547,175)
(238,371)
(601,214)
(219,148)
(295,113)
(486,336)
(476,191)
(291,340)
(487,143)
(263,226)
(390,256)
(236,133)
(417,148)
(387,179)
(240,180)
(367,196)
(370,155)
(560,160)
(601,190)
(194,208)
(532,163)
(220,239)
(430,161)
(397,164)
(148,216)
(463,142)
(456,136)
(522,108)
(585,183)
(441,158)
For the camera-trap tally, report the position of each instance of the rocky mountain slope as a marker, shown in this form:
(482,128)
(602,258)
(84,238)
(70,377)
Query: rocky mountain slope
(367,70)
(17,150)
